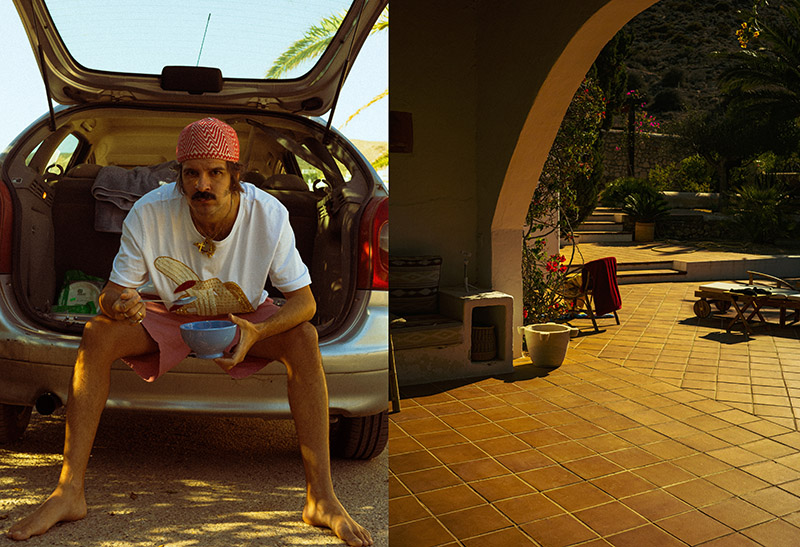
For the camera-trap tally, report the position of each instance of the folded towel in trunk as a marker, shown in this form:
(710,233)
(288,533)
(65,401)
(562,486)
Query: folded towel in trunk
(116,190)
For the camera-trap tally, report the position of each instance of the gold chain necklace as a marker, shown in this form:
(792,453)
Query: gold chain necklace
(207,246)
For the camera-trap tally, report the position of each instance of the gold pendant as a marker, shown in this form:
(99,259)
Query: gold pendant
(206,247)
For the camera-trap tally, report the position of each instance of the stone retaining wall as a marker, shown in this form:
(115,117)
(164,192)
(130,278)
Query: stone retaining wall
(694,227)
(652,149)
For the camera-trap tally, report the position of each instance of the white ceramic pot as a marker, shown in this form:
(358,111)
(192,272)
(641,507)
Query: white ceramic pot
(547,342)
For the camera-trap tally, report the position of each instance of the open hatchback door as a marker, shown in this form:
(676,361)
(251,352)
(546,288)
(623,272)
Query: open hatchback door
(212,53)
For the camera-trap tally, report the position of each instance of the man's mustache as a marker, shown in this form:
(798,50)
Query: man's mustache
(203,195)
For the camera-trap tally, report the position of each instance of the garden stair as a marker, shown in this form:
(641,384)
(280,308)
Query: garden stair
(602,226)
(605,225)
(649,272)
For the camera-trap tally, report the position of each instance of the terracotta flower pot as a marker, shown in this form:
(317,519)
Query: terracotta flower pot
(644,231)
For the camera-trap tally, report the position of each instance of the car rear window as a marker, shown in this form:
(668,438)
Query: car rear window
(241,37)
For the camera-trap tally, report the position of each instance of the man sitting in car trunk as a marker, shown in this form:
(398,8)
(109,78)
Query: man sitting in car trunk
(213,238)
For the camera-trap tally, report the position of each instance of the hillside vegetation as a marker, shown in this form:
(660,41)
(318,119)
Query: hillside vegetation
(671,59)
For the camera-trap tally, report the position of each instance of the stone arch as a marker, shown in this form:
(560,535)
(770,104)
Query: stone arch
(537,136)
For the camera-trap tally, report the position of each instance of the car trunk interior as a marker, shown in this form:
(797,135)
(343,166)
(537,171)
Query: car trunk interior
(322,185)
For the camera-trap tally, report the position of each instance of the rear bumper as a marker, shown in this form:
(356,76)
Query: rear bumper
(355,362)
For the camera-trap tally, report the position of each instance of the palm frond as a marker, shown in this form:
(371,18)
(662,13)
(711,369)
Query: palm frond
(382,23)
(314,42)
(381,161)
(310,46)
(380,96)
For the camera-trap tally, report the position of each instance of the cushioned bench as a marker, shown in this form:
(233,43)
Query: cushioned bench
(413,304)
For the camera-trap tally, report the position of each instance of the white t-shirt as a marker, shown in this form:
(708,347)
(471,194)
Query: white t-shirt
(158,242)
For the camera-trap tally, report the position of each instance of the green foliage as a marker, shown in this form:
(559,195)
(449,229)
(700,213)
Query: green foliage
(381,161)
(615,193)
(542,279)
(673,77)
(765,74)
(572,161)
(691,174)
(645,206)
(667,100)
(567,186)
(761,209)
(310,46)
(610,74)
(727,138)
(314,42)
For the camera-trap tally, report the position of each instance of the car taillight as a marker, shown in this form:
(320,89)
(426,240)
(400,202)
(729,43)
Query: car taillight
(373,243)
(5,229)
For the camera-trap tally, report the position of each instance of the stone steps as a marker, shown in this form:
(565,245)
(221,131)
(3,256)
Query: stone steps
(648,272)
(604,225)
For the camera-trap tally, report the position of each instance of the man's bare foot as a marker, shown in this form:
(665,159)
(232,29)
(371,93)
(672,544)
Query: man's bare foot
(58,507)
(331,514)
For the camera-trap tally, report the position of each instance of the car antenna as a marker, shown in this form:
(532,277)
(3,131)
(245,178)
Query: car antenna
(204,40)
(326,136)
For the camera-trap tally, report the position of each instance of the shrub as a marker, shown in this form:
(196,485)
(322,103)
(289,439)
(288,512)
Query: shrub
(667,100)
(615,193)
(673,77)
(692,174)
(761,209)
(645,206)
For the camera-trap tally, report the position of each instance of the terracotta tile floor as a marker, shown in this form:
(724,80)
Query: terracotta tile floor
(664,430)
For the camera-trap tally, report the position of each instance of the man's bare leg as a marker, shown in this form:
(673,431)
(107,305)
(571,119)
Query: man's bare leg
(103,342)
(298,349)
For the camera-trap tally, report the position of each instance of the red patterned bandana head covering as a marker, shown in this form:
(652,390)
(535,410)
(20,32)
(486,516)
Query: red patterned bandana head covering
(208,138)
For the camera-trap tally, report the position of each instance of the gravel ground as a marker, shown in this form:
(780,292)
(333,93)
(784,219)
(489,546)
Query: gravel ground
(169,480)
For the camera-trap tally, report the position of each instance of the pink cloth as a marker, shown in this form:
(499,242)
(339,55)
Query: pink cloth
(164,328)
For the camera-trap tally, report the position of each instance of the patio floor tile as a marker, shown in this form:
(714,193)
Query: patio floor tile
(610,518)
(406,509)
(737,514)
(422,533)
(498,488)
(694,527)
(503,538)
(653,432)
(474,521)
(450,499)
(559,531)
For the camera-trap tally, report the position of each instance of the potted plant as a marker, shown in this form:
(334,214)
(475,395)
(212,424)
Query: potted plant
(544,280)
(645,208)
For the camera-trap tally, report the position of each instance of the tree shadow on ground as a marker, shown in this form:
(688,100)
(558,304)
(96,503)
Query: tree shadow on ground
(186,480)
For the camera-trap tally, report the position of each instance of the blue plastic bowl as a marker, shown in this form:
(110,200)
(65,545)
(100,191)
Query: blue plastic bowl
(208,339)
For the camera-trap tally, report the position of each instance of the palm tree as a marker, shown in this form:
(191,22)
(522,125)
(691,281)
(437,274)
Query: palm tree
(766,79)
(313,44)
(315,40)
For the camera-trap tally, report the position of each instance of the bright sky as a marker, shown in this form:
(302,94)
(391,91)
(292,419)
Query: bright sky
(22,97)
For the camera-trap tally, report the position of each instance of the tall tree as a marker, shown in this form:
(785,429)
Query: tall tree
(728,137)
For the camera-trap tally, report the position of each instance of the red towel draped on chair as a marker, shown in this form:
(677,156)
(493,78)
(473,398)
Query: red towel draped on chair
(601,281)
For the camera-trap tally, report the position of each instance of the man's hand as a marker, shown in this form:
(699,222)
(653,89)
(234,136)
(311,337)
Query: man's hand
(125,304)
(248,335)
(299,307)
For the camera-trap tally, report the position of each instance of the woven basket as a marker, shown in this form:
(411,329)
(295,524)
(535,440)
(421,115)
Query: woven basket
(484,344)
